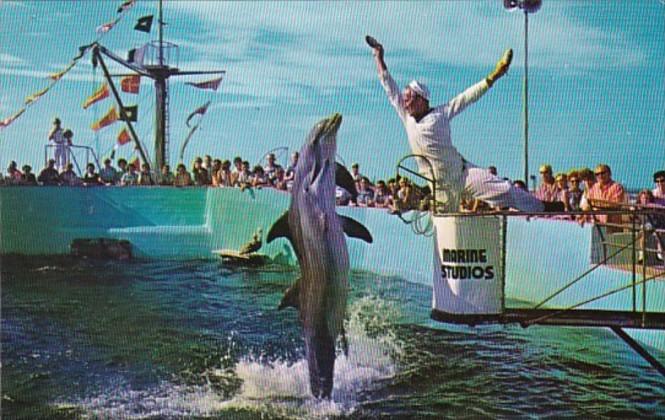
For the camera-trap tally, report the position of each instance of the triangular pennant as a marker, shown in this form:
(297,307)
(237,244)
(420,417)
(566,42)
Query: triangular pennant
(58,76)
(130,84)
(126,5)
(105,27)
(32,98)
(108,119)
(144,24)
(123,137)
(4,123)
(130,113)
(101,93)
(208,84)
(200,110)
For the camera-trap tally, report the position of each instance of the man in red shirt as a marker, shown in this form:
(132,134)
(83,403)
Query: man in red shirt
(605,193)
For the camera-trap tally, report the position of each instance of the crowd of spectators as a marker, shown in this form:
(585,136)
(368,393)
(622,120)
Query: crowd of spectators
(577,190)
(204,172)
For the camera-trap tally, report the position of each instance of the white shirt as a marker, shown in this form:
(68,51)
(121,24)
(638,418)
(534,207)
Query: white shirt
(430,137)
(58,137)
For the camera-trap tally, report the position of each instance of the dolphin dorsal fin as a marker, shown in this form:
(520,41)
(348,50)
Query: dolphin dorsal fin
(344,179)
(280,228)
(355,229)
(291,297)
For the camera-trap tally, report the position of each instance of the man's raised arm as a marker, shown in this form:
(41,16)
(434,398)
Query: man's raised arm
(473,93)
(389,85)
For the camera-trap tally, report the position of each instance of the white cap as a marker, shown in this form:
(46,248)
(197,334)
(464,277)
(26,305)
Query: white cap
(419,88)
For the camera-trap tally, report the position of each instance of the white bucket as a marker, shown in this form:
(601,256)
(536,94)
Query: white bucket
(468,269)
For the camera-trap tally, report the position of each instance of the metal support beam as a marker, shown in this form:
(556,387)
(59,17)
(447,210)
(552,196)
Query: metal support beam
(639,350)
(100,59)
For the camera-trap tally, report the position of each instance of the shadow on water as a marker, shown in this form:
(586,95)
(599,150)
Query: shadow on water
(199,339)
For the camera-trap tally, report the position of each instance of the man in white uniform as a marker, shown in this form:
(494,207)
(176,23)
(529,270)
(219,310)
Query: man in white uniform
(428,132)
(56,135)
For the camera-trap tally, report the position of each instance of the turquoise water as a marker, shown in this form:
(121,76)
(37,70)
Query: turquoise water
(160,339)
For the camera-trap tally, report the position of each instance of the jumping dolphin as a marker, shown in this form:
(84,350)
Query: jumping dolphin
(316,232)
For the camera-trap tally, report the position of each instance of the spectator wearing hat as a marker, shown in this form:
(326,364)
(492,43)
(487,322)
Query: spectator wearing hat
(548,189)
(605,193)
(659,191)
(428,133)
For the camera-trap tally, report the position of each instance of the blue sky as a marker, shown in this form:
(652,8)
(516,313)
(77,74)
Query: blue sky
(596,78)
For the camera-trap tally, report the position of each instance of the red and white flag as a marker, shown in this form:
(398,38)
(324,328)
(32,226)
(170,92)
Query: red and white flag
(130,84)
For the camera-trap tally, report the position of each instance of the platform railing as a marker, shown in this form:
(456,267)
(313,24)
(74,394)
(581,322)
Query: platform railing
(639,230)
(72,152)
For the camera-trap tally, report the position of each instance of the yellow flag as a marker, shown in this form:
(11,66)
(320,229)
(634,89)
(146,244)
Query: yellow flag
(108,119)
(101,93)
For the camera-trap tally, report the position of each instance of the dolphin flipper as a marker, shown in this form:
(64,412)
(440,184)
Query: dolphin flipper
(280,228)
(291,297)
(344,179)
(355,229)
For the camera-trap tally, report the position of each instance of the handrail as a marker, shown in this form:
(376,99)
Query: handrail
(89,151)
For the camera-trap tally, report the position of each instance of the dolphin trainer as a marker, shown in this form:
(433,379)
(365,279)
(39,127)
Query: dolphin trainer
(316,233)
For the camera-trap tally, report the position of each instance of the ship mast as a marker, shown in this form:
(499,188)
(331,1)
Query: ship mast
(160,72)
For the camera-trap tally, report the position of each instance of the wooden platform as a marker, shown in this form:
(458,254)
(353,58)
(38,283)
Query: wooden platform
(571,318)
(233,257)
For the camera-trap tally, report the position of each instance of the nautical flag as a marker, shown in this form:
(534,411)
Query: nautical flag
(123,137)
(136,55)
(129,113)
(4,123)
(144,24)
(200,110)
(58,76)
(126,5)
(101,93)
(208,84)
(130,84)
(108,119)
(105,27)
(32,98)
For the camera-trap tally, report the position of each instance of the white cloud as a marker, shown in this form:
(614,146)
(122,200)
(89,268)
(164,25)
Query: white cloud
(279,51)
(11,60)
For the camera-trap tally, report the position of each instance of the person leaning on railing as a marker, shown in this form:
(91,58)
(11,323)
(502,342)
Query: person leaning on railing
(604,194)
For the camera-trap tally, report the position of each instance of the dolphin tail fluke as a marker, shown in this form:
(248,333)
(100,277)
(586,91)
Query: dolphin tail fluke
(355,229)
(344,179)
(320,350)
(280,228)
(291,297)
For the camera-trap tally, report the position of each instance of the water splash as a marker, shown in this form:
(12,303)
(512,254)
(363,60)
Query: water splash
(273,388)
(282,387)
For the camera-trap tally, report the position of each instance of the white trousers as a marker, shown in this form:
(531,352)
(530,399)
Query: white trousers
(497,192)
(61,156)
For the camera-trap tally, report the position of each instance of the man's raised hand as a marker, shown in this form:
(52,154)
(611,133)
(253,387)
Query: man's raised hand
(501,67)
